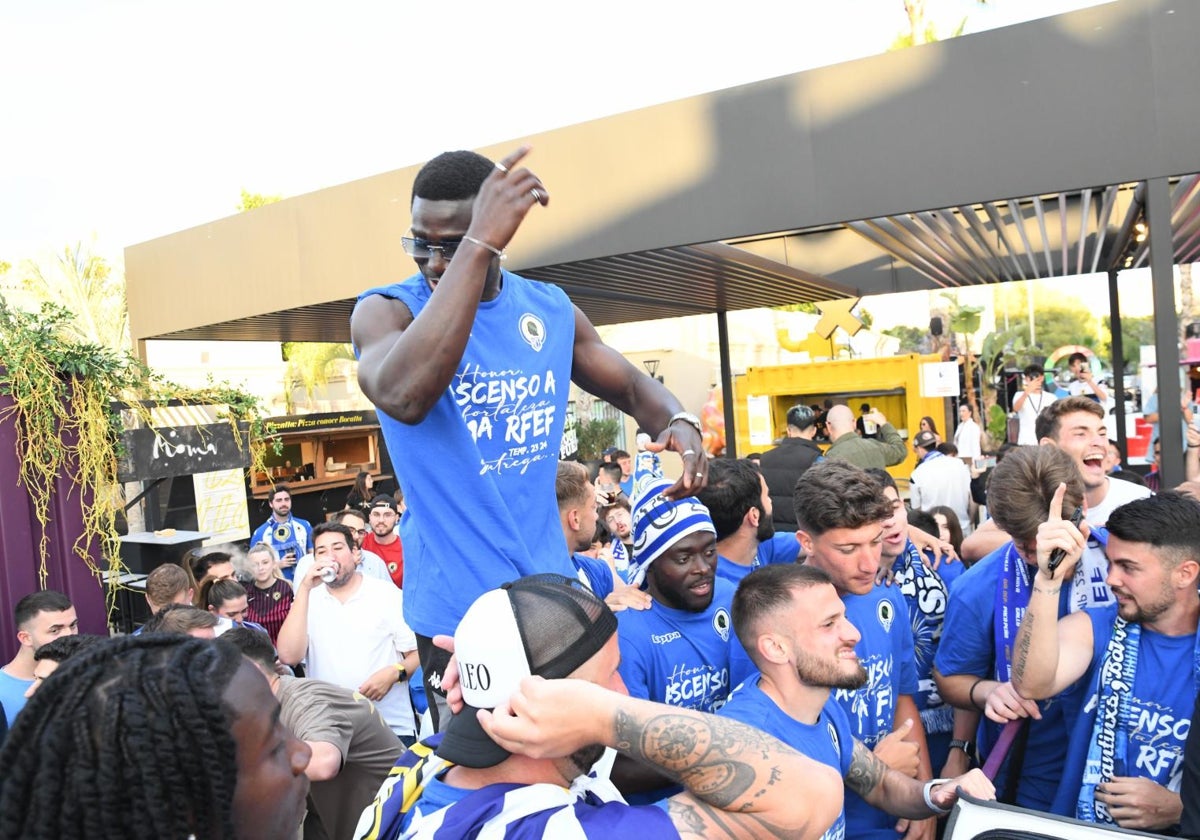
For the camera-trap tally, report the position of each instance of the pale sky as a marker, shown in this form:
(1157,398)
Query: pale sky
(124,120)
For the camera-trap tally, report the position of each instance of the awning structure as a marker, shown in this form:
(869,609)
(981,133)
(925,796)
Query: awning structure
(1054,235)
(1045,149)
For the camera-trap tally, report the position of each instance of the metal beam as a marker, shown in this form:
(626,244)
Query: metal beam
(1166,329)
(726,384)
(1118,365)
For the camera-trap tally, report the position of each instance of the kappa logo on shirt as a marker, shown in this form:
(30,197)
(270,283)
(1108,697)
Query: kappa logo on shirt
(532,330)
(833,738)
(886,615)
(721,624)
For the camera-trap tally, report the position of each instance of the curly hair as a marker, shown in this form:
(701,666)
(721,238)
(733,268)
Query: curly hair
(131,739)
(452,176)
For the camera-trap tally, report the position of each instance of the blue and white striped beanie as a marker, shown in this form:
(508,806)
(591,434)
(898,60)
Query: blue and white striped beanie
(659,523)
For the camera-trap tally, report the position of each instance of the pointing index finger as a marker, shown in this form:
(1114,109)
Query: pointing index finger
(513,159)
(1056,503)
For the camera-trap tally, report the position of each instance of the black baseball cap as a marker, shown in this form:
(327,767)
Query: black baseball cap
(541,625)
(383,500)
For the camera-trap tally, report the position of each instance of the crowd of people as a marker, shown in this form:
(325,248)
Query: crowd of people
(759,648)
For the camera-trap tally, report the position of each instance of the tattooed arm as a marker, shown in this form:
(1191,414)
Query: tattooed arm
(901,796)
(741,782)
(1049,654)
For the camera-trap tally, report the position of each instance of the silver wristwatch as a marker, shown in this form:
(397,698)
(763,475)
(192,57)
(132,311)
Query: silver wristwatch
(687,417)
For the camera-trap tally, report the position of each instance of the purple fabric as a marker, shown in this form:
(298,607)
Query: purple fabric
(19,535)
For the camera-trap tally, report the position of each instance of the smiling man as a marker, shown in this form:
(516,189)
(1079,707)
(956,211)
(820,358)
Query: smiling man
(681,651)
(289,536)
(678,651)
(1137,657)
(1076,425)
(794,627)
(470,368)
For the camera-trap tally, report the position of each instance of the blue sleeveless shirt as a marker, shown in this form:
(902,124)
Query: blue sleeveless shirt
(478,472)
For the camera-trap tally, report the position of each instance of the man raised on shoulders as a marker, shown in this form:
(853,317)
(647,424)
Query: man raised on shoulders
(469,366)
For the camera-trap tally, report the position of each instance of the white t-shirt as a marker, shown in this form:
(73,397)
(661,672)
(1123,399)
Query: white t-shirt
(940,480)
(349,642)
(966,438)
(1027,416)
(1088,587)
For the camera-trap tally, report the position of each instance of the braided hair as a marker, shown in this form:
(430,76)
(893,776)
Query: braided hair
(128,739)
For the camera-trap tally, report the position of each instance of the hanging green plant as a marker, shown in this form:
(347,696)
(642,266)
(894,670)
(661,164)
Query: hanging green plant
(66,402)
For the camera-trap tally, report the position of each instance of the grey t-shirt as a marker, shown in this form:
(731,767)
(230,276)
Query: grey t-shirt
(319,711)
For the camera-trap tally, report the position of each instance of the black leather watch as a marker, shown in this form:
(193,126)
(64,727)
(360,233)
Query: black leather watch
(966,746)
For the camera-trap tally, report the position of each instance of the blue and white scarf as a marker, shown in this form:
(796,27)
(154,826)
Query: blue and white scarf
(1012,599)
(659,523)
(1110,732)
(1108,745)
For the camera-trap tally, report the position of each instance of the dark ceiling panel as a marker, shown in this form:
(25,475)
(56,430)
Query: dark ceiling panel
(1040,236)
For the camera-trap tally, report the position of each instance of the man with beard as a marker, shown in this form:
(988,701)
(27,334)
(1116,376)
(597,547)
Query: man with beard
(618,518)
(511,760)
(290,537)
(382,539)
(794,627)
(681,651)
(351,629)
(1139,659)
(740,504)
(841,512)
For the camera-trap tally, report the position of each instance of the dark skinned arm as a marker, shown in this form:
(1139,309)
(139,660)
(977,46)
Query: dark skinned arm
(601,370)
(406,363)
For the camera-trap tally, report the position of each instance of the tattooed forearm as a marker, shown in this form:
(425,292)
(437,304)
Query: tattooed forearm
(1022,652)
(696,820)
(866,771)
(710,755)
